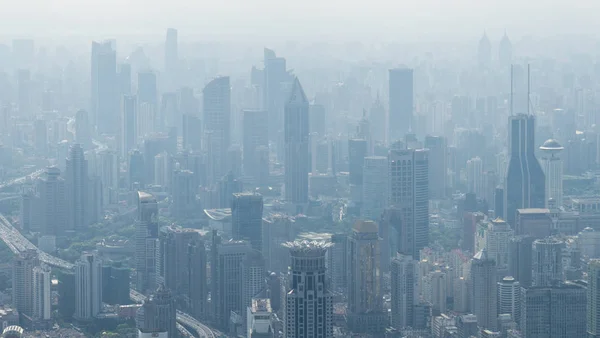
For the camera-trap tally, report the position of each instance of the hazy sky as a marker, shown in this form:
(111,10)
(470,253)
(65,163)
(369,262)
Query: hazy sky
(347,19)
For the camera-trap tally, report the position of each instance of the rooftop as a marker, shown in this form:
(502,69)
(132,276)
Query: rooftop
(261,305)
(533,211)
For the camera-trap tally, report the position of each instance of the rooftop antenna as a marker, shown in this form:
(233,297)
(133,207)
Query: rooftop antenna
(528,87)
(511,90)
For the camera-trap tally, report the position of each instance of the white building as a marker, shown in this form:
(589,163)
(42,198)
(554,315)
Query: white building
(553,169)
(475,182)
(494,236)
(42,304)
(509,298)
(88,286)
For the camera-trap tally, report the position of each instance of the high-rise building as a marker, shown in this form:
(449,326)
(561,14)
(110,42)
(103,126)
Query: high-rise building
(436,291)
(405,292)
(146,238)
(338,257)
(275,74)
(22,281)
(42,297)
(227,186)
(524,186)
(365,301)
(49,213)
(77,184)
(217,111)
(158,314)
(475,177)
(557,311)
(494,236)
(593,299)
(505,52)
(553,169)
(276,230)
(83,130)
(296,146)
(192,139)
(466,326)
(246,218)
(137,170)
(146,90)
(182,268)
(124,79)
(105,88)
(483,290)
(171,54)
(259,319)
(309,303)
(256,134)
(520,259)
(184,194)
(509,298)
(484,52)
(88,286)
(129,137)
(547,261)
(108,171)
(374,187)
(357,150)
(401,95)
(409,192)
(438,166)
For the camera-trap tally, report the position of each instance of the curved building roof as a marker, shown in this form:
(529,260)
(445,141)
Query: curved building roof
(551,144)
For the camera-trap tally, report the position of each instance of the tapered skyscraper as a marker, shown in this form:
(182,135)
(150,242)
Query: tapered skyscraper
(296,146)
(525,179)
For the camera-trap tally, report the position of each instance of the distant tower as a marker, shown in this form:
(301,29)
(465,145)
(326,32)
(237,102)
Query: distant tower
(256,134)
(83,130)
(246,218)
(171,55)
(129,137)
(88,286)
(357,150)
(374,187)
(475,177)
(105,88)
(42,296)
(365,302)
(520,259)
(401,93)
(146,238)
(50,211)
(296,130)
(484,52)
(77,183)
(309,303)
(484,290)
(22,281)
(593,298)
(217,111)
(547,262)
(525,180)
(183,193)
(553,169)
(509,298)
(405,293)
(505,52)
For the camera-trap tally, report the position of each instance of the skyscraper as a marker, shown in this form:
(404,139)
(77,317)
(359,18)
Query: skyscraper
(183,193)
(105,89)
(365,301)
(309,303)
(158,313)
(509,298)
(255,129)
(83,130)
(296,146)
(147,91)
(593,299)
(484,52)
(547,261)
(409,192)
(357,150)
(505,52)
(405,292)
(525,179)
(494,236)
(374,187)
(246,218)
(475,177)
(88,286)
(273,95)
(108,171)
(520,259)
(22,281)
(171,53)
(129,137)
(42,297)
(146,238)
(217,111)
(49,212)
(401,89)
(77,183)
(438,166)
(484,290)
(553,169)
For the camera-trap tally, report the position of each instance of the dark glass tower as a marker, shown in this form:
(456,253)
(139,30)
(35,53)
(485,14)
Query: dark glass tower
(525,180)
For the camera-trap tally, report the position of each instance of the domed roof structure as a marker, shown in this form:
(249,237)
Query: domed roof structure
(552,145)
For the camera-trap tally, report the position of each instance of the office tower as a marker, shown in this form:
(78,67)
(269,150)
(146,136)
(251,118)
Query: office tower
(162,172)
(470,224)
(309,303)
(253,277)
(146,236)
(259,319)
(88,286)
(338,257)
(435,290)
(524,186)
(405,293)
(553,169)
(505,52)
(246,218)
(374,187)
(550,312)
(42,303)
(409,192)
(296,146)
(466,326)
(273,96)
(22,281)
(593,298)
(41,136)
(276,230)
(227,281)
(475,177)
(509,298)
(365,302)
(105,88)
(182,268)
(171,55)
(378,121)
(400,120)
(484,52)
(227,186)
(192,138)
(520,255)
(217,111)
(357,150)
(108,171)
(495,239)
(24,93)
(83,129)
(490,182)
(484,290)
(256,134)
(136,169)
(183,192)
(129,137)
(438,166)
(158,314)
(77,184)
(547,261)
(49,212)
